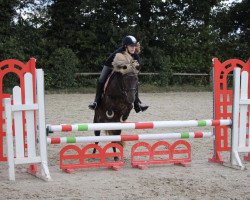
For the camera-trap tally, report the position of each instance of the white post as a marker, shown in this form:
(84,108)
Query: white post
(9,137)
(41,124)
(243,109)
(235,126)
(18,118)
(29,115)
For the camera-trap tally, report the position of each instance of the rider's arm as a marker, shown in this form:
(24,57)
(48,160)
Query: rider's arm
(110,59)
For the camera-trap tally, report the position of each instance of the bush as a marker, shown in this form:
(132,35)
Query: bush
(61,68)
(156,60)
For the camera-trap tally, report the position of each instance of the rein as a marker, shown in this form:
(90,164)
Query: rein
(125,91)
(121,92)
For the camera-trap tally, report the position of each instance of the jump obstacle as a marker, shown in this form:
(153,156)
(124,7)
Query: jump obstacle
(77,155)
(30,158)
(169,150)
(223,102)
(19,69)
(17,110)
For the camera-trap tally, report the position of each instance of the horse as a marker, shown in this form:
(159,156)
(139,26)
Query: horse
(119,94)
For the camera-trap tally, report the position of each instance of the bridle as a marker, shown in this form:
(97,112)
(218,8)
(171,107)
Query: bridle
(123,88)
(123,91)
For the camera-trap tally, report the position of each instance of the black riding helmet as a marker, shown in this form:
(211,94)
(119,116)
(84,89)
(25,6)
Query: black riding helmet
(129,40)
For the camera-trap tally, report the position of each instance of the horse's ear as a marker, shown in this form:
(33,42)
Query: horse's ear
(138,67)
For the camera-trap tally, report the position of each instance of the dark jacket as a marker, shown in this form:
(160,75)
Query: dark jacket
(110,59)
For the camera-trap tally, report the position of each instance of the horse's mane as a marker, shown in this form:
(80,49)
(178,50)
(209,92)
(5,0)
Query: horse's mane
(112,77)
(124,63)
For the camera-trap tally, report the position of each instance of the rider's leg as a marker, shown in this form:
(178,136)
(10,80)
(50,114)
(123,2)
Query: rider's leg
(138,106)
(100,84)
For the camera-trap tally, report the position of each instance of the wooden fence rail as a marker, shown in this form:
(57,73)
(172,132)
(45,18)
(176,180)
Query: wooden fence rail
(147,74)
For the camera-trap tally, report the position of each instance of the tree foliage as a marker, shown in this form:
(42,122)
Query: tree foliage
(176,36)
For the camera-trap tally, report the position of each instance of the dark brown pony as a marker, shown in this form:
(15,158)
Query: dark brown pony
(118,98)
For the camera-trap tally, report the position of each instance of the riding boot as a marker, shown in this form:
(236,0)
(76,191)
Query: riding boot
(100,85)
(138,106)
(98,96)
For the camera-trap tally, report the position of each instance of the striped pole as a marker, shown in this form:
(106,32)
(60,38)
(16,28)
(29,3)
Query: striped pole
(118,138)
(137,125)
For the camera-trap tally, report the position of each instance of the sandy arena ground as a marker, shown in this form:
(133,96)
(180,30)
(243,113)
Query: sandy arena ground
(203,180)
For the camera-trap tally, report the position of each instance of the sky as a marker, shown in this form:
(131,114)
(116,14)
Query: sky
(229,2)
(24,15)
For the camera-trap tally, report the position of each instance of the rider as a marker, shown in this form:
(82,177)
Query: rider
(129,44)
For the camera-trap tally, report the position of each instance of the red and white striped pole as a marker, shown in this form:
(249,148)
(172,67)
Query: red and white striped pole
(137,125)
(118,138)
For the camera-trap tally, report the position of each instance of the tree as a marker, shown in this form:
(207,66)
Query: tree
(176,36)
(232,26)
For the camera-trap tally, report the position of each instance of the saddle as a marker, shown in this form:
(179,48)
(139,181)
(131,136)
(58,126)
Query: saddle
(107,82)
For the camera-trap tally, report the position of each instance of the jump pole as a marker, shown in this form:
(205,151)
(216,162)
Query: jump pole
(119,138)
(137,125)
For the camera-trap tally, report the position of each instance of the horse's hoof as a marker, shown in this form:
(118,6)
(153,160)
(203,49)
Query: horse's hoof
(116,158)
(92,106)
(116,168)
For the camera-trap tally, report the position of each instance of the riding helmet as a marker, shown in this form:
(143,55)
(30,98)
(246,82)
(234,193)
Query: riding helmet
(129,40)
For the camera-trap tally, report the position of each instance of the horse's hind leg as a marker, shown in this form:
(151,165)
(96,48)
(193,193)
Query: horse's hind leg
(97,133)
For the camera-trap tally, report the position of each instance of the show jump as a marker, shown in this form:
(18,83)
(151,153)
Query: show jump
(24,135)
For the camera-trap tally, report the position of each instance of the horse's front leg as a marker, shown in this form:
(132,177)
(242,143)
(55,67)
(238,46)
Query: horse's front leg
(116,132)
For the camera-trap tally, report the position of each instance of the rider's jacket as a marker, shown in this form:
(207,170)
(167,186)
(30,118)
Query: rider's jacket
(110,59)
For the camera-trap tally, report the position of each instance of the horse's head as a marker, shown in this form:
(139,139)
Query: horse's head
(129,86)
(128,68)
